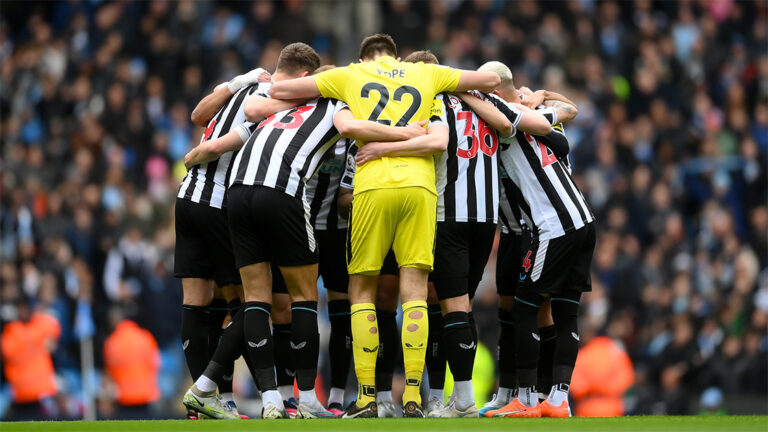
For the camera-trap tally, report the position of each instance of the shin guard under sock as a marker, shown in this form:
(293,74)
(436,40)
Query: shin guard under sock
(258,343)
(305,343)
(415,335)
(340,343)
(194,338)
(365,347)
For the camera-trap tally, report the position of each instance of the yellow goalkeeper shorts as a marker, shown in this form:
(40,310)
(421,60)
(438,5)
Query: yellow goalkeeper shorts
(402,219)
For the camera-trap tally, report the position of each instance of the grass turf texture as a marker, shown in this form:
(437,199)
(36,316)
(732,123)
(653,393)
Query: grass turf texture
(659,423)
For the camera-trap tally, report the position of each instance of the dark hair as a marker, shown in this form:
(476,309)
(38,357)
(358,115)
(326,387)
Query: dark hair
(379,43)
(422,56)
(298,57)
(323,68)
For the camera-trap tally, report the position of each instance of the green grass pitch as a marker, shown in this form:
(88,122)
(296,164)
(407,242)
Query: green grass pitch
(663,424)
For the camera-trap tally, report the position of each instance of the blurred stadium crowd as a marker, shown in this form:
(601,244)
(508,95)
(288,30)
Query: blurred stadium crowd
(670,147)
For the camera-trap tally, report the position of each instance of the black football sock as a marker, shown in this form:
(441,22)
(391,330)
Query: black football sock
(458,345)
(217,311)
(194,338)
(507,368)
(546,358)
(305,343)
(565,309)
(527,340)
(340,343)
(258,343)
(229,349)
(389,347)
(284,366)
(435,361)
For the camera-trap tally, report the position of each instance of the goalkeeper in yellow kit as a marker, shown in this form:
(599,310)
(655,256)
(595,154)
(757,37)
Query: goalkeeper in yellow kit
(394,198)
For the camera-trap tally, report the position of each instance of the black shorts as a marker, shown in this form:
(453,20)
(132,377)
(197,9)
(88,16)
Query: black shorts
(508,264)
(203,245)
(461,253)
(390,266)
(557,265)
(269,225)
(333,262)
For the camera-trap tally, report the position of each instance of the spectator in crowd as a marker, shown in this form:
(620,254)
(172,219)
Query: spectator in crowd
(132,362)
(26,346)
(670,148)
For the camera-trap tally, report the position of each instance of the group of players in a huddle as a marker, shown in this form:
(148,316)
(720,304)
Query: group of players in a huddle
(385,178)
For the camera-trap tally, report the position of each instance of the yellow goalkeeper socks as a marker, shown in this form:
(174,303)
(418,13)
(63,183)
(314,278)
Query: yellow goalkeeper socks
(365,346)
(415,333)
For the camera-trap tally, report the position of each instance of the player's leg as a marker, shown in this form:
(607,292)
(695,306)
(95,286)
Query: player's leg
(198,294)
(372,222)
(507,274)
(546,349)
(451,281)
(413,245)
(565,306)
(333,271)
(387,298)
(435,360)
(196,271)
(281,334)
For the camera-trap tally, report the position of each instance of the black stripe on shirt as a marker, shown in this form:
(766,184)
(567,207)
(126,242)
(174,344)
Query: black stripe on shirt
(451,165)
(301,136)
(554,198)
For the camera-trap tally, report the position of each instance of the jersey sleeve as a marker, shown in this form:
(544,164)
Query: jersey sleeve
(444,78)
(332,83)
(549,113)
(513,114)
(348,178)
(437,115)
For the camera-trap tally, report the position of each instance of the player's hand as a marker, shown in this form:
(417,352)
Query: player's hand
(416,129)
(245,79)
(369,152)
(534,99)
(188,159)
(265,77)
(525,90)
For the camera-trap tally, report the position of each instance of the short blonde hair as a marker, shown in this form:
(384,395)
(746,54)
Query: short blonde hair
(501,70)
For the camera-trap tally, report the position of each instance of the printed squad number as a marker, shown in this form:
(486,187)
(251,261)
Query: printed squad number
(383,92)
(478,139)
(292,120)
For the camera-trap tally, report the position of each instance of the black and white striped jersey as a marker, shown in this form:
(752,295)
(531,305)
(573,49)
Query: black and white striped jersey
(509,209)
(287,148)
(467,172)
(549,201)
(206,183)
(323,189)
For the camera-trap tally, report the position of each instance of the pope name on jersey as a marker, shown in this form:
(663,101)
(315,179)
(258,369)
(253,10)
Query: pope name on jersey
(206,183)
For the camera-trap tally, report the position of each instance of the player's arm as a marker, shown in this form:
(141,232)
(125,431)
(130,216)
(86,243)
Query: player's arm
(473,80)
(532,122)
(435,141)
(209,105)
(564,108)
(556,141)
(212,149)
(367,130)
(297,88)
(258,108)
(489,114)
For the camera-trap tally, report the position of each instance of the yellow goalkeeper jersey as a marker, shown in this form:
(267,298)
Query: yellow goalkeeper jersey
(393,93)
